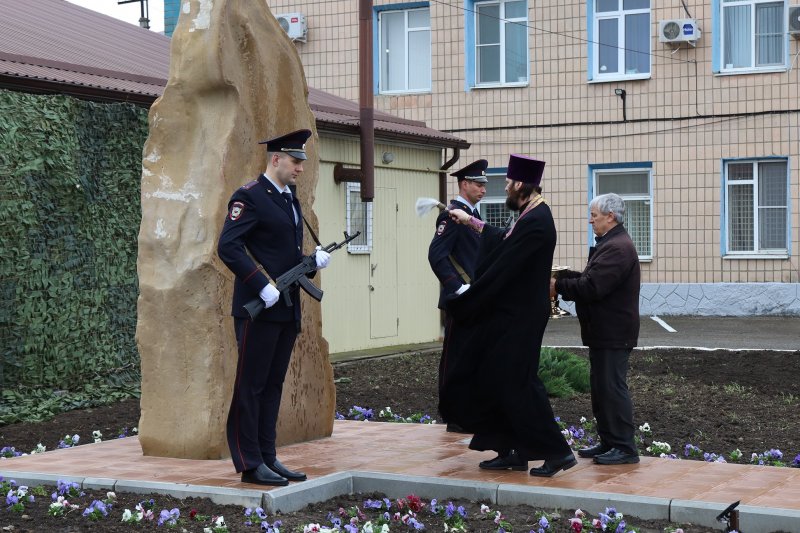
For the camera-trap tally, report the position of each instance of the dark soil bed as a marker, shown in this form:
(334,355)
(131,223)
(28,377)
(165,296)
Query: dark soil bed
(715,400)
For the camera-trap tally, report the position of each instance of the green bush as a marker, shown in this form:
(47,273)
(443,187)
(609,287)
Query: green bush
(70,174)
(564,373)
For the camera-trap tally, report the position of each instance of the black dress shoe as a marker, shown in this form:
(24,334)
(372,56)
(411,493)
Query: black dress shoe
(281,470)
(553,466)
(262,475)
(615,456)
(455,428)
(509,461)
(593,451)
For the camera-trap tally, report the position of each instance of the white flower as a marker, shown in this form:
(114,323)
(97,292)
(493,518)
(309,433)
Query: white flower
(645,428)
(385,528)
(39,449)
(135,430)
(111,496)
(583,420)
(97,436)
(219,522)
(485,509)
(127,515)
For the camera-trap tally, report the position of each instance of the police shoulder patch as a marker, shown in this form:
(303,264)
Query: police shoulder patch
(440,229)
(237,208)
(250,185)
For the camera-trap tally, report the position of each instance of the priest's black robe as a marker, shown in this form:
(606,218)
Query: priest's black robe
(491,385)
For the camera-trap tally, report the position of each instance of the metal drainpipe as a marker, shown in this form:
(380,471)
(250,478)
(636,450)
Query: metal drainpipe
(443,175)
(366,112)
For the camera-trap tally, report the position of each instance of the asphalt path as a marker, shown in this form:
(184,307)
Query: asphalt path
(735,333)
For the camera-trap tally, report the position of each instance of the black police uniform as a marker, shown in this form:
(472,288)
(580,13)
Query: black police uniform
(453,252)
(260,221)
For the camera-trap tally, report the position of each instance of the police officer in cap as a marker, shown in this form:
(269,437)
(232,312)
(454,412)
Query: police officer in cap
(454,247)
(261,239)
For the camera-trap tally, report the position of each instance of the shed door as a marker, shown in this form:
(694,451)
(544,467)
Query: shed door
(383,265)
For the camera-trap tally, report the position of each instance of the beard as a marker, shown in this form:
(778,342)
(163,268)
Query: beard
(512,200)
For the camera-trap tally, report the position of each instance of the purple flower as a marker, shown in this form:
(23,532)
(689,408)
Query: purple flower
(11,498)
(462,511)
(795,463)
(544,523)
(449,510)
(373,504)
(775,455)
(621,527)
(339,416)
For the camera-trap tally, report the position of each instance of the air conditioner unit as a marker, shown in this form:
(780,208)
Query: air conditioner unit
(678,30)
(294,24)
(794,21)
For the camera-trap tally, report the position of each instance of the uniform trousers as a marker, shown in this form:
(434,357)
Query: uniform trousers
(611,401)
(264,352)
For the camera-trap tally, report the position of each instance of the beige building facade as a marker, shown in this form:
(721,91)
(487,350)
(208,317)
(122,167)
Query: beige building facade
(690,111)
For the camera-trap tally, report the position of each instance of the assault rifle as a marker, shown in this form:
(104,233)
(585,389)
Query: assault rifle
(297,276)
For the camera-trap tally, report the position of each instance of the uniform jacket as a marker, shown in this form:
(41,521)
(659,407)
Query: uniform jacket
(453,242)
(260,221)
(606,293)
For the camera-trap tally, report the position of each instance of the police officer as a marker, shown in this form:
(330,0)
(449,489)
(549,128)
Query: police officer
(454,247)
(261,239)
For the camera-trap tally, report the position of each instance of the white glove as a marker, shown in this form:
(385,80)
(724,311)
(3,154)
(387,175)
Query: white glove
(322,257)
(462,289)
(270,295)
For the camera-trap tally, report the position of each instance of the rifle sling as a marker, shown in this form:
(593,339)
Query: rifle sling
(459,269)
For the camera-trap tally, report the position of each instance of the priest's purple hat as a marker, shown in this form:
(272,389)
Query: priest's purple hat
(525,169)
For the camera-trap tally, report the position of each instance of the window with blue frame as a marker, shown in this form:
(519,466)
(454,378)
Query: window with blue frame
(493,205)
(404,52)
(619,43)
(632,181)
(497,43)
(753,35)
(756,207)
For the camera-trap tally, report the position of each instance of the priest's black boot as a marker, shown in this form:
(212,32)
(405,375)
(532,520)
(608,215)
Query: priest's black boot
(509,461)
(552,466)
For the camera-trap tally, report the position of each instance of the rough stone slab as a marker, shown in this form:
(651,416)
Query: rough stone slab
(98,483)
(644,507)
(397,486)
(219,495)
(298,495)
(751,519)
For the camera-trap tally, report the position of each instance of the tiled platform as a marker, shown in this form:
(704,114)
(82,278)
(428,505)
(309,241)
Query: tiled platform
(430,452)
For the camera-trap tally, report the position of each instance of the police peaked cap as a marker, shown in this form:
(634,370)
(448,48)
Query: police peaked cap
(475,171)
(293,143)
(525,169)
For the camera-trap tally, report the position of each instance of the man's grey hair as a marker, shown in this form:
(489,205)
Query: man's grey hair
(610,203)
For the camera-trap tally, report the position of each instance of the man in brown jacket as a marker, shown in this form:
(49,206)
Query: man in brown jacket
(606,296)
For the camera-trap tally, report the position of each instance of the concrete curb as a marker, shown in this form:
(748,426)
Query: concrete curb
(644,507)
(299,495)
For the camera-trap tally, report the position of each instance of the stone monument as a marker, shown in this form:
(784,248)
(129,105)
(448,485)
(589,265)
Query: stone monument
(235,79)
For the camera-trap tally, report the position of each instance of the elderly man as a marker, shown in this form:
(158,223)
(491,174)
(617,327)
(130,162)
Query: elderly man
(606,296)
(261,239)
(491,385)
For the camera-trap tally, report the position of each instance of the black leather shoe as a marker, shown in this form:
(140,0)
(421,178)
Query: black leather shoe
(262,475)
(593,451)
(553,466)
(455,428)
(510,461)
(281,470)
(616,457)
